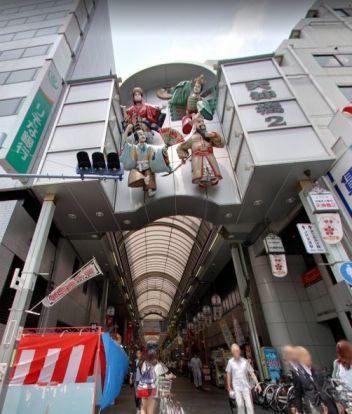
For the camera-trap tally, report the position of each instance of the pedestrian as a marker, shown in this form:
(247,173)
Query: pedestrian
(310,385)
(239,373)
(196,368)
(152,371)
(343,363)
(135,377)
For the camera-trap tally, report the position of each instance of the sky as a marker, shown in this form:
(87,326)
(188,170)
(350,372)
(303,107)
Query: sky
(150,32)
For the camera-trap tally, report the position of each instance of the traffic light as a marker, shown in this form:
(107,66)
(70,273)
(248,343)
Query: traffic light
(98,165)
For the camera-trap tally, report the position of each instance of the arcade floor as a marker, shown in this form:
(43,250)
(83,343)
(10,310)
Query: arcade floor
(209,401)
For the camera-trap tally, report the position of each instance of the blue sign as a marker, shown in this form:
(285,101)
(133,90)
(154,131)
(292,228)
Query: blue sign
(346,272)
(347,181)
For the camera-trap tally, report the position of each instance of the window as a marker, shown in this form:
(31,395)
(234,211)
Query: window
(24,75)
(345,60)
(9,11)
(343,12)
(11,54)
(10,106)
(47,31)
(36,51)
(28,8)
(327,61)
(16,22)
(347,91)
(24,35)
(3,77)
(7,37)
(34,19)
(57,15)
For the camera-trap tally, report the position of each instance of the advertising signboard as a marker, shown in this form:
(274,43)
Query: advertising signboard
(26,141)
(271,363)
(311,238)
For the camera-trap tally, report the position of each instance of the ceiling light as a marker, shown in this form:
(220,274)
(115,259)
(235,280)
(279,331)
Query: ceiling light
(290,200)
(71,216)
(126,221)
(94,236)
(99,214)
(231,236)
(199,270)
(258,203)
(228,215)
(189,289)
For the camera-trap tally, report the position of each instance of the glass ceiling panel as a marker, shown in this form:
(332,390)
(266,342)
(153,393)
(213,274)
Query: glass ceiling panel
(158,255)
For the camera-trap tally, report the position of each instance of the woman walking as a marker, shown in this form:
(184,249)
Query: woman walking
(343,363)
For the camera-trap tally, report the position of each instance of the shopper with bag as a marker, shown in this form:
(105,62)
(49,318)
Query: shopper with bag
(135,377)
(240,375)
(147,390)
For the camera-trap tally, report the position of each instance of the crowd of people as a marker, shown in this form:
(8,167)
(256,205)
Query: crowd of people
(313,389)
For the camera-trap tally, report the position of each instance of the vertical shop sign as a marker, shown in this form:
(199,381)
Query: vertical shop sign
(26,141)
(240,340)
(271,363)
(311,238)
(226,332)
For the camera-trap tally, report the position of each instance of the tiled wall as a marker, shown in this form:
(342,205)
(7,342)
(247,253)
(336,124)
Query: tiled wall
(289,310)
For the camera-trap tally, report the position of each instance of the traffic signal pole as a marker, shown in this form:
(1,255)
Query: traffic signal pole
(24,291)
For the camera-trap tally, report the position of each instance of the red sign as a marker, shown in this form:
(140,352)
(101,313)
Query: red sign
(129,334)
(311,277)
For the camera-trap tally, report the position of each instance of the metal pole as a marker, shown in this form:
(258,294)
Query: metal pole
(24,294)
(242,281)
(104,301)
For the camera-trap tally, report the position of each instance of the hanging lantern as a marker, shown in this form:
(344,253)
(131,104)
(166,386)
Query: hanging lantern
(208,315)
(217,307)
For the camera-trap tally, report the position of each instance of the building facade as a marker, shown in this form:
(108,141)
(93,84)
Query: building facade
(282,121)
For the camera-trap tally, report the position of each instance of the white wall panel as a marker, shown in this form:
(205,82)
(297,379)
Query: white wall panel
(84,112)
(89,92)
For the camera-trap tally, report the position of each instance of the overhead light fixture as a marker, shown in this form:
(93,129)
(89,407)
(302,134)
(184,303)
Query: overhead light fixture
(228,215)
(99,214)
(71,216)
(214,242)
(126,221)
(182,301)
(258,203)
(199,270)
(94,236)
(123,282)
(115,259)
(190,288)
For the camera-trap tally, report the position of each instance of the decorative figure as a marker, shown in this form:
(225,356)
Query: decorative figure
(187,99)
(205,168)
(143,161)
(149,116)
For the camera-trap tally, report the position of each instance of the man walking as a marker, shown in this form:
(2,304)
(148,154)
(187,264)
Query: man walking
(239,370)
(196,368)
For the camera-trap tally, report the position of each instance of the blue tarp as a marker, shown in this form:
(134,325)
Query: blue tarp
(116,370)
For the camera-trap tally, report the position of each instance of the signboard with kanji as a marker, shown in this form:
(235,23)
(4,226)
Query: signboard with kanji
(273,244)
(26,141)
(341,179)
(322,201)
(311,238)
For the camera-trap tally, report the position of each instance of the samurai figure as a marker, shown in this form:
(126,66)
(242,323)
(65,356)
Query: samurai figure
(188,98)
(149,116)
(205,168)
(143,161)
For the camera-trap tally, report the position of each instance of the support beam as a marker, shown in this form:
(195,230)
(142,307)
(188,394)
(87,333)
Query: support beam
(23,295)
(243,286)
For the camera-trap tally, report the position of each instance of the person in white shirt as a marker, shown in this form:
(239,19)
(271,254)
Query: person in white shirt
(196,367)
(238,373)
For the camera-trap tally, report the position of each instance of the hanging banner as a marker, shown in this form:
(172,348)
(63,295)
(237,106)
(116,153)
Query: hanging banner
(240,340)
(330,227)
(273,244)
(271,363)
(55,358)
(86,272)
(311,238)
(226,332)
(278,265)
